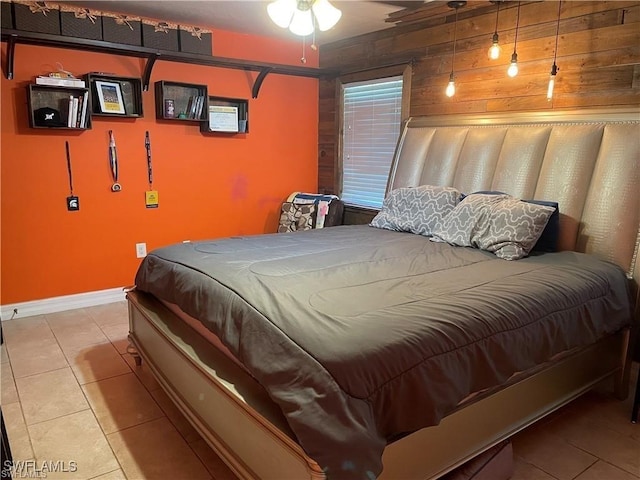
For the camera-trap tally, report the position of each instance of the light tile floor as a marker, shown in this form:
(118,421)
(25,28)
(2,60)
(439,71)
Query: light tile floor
(70,392)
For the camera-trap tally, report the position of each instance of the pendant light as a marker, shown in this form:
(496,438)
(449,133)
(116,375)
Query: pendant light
(495,49)
(512,71)
(451,86)
(554,67)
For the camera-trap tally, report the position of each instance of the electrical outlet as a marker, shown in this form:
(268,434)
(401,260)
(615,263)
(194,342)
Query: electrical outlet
(141,250)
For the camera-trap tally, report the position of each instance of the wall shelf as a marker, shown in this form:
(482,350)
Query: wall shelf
(131,88)
(52,107)
(188,101)
(14,37)
(240,109)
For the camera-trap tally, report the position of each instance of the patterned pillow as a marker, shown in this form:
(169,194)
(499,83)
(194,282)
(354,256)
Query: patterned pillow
(501,224)
(416,209)
(296,217)
(548,241)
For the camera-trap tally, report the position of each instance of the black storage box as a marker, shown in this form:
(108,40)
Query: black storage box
(80,22)
(195,40)
(6,14)
(160,35)
(42,17)
(118,28)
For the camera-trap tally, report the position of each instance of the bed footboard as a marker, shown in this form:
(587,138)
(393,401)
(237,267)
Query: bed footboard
(238,420)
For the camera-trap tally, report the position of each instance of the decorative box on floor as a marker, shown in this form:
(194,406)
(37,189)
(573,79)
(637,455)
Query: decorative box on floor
(160,35)
(80,22)
(42,17)
(195,40)
(494,464)
(305,211)
(121,29)
(6,14)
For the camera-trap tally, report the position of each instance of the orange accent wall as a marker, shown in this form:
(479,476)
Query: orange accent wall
(209,185)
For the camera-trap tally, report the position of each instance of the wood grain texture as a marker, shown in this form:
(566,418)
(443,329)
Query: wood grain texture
(598,58)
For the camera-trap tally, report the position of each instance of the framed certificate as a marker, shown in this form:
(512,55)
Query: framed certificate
(223,118)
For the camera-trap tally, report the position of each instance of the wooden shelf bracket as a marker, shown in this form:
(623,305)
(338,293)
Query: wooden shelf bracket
(258,83)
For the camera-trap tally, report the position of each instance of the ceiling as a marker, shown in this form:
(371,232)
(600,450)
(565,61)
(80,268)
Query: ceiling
(250,16)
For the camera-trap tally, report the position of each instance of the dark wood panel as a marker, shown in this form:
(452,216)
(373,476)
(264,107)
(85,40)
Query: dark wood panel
(598,55)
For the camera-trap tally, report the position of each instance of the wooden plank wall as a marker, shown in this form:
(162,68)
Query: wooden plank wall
(598,58)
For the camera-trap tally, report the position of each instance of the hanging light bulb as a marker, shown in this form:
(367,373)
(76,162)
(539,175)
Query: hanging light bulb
(495,49)
(451,86)
(512,71)
(554,67)
(450,91)
(552,81)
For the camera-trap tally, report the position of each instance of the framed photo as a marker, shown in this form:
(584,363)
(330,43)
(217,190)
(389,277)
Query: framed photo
(110,97)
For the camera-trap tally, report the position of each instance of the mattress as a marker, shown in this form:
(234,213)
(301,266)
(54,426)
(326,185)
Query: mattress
(362,335)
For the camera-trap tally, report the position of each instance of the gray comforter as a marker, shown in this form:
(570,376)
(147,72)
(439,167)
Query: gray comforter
(362,335)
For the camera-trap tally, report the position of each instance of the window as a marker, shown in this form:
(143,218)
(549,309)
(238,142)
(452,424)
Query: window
(371,125)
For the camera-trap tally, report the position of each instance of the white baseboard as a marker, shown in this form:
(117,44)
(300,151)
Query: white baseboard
(59,304)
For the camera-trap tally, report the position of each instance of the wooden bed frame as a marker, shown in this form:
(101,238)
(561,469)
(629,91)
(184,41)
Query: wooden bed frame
(235,415)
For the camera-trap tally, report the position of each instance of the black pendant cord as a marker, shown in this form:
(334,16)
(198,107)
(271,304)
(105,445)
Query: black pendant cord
(555,50)
(515,42)
(147,144)
(455,31)
(66,144)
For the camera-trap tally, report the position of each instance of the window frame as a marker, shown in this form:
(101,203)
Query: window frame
(371,75)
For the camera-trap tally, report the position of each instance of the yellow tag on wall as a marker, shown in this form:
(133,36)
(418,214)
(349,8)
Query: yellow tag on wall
(151,198)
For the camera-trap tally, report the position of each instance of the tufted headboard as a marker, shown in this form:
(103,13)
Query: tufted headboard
(588,161)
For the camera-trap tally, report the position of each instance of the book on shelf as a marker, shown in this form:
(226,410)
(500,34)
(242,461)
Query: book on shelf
(78,113)
(74,111)
(70,111)
(59,82)
(189,107)
(83,115)
(200,106)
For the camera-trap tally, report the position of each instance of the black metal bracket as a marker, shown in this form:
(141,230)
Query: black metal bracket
(146,76)
(11,53)
(258,83)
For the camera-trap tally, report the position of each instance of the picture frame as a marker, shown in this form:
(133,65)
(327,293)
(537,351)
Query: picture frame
(110,97)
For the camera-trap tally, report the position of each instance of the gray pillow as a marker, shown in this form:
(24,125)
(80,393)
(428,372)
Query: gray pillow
(416,209)
(501,224)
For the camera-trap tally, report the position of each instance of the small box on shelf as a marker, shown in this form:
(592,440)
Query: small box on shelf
(80,22)
(181,101)
(160,35)
(41,17)
(119,28)
(195,40)
(130,90)
(227,115)
(59,107)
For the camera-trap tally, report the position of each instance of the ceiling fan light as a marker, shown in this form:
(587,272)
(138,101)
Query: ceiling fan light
(301,23)
(326,14)
(281,12)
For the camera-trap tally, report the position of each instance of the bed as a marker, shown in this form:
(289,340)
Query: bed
(317,339)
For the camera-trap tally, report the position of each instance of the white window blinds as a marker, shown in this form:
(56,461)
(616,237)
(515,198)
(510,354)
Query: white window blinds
(372,117)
